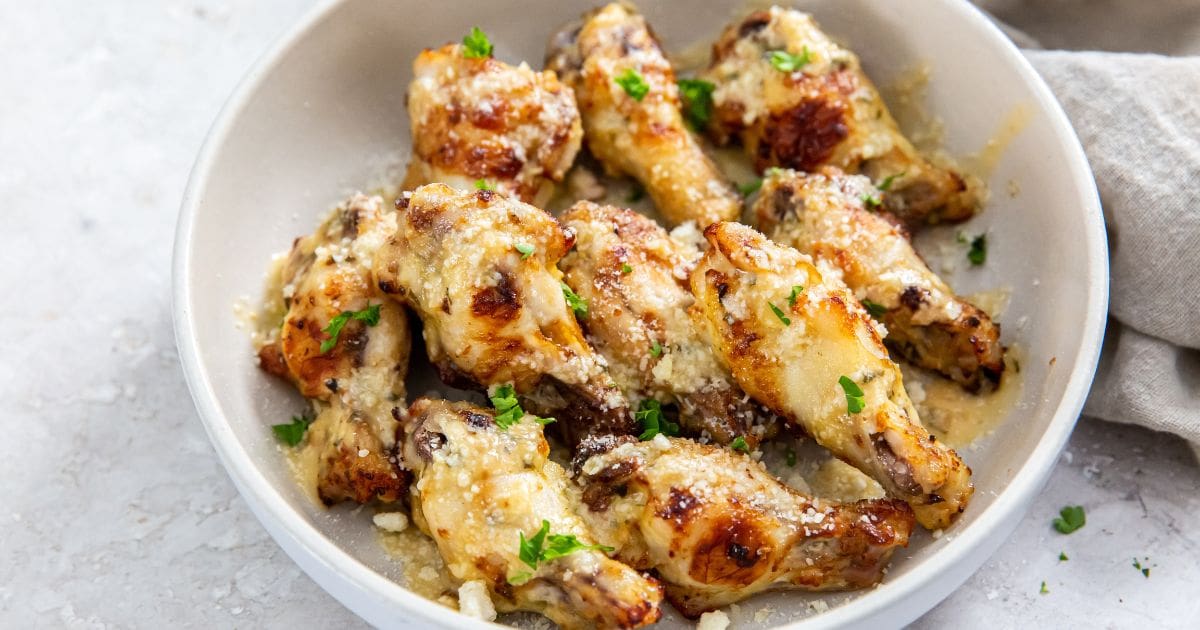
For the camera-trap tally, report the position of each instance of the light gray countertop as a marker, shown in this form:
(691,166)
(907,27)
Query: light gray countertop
(115,510)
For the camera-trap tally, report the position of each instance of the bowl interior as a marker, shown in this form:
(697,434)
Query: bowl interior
(324,116)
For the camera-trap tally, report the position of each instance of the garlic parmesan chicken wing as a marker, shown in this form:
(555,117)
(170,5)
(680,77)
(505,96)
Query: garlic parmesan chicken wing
(638,130)
(634,278)
(796,99)
(717,528)
(802,345)
(357,375)
(826,216)
(479,270)
(482,119)
(481,491)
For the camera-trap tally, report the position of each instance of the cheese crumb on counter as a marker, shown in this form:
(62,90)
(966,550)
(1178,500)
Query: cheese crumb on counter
(715,620)
(474,601)
(391,521)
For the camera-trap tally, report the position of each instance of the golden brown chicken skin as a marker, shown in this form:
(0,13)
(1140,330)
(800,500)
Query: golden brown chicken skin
(479,270)
(718,528)
(634,277)
(482,119)
(820,109)
(358,380)
(830,216)
(480,488)
(639,134)
(802,345)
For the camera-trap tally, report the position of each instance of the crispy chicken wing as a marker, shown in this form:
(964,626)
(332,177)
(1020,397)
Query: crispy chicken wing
(826,216)
(718,528)
(797,99)
(634,277)
(475,119)
(480,489)
(479,270)
(802,345)
(638,131)
(360,378)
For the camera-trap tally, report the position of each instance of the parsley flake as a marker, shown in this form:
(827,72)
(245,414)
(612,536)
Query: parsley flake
(787,62)
(574,302)
(544,547)
(656,350)
(292,433)
(739,444)
(1062,556)
(978,253)
(886,184)
(525,248)
(749,188)
(508,408)
(794,294)
(1143,568)
(778,313)
(650,416)
(790,457)
(696,96)
(626,268)
(476,44)
(368,316)
(482,184)
(874,309)
(634,85)
(872,202)
(1071,518)
(854,395)
(1044,590)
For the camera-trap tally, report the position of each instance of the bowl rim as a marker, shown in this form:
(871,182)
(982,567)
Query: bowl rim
(369,594)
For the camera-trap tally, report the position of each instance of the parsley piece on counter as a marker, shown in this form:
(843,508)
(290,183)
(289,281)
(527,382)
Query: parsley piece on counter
(656,350)
(369,316)
(482,184)
(1140,567)
(886,184)
(1062,556)
(790,457)
(749,188)
(508,408)
(650,416)
(778,313)
(544,547)
(696,95)
(978,253)
(874,309)
(1070,519)
(872,202)
(626,268)
(574,302)
(634,85)
(739,444)
(1044,590)
(476,44)
(292,433)
(854,395)
(787,62)
(526,250)
(796,289)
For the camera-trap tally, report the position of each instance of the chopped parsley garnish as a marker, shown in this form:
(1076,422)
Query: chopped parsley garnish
(526,250)
(626,268)
(544,421)
(739,444)
(787,62)
(1070,519)
(636,193)
(854,395)
(574,302)
(790,458)
(369,316)
(650,416)
(796,289)
(1140,567)
(508,408)
(872,202)
(749,188)
(544,547)
(696,95)
(634,85)
(978,253)
(656,350)
(1062,556)
(482,184)
(778,313)
(476,44)
(1044,590)
(293,432)
(886,184)
(772,170)
(874,309)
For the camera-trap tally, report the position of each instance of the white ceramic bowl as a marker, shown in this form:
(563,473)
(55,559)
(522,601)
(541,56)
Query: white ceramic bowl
(323,114)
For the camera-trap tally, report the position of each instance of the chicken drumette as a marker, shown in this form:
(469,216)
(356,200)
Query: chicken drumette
(630,105)
(796,99)
(802,345)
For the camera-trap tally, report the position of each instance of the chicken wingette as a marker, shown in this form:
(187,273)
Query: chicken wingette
(802,345)
(716,527)
(482,120)
(796,99)
(834,217)
(630,103)
(501,512)
(479,270)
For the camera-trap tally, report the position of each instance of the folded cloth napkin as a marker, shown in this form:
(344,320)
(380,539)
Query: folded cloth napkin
(1138,117)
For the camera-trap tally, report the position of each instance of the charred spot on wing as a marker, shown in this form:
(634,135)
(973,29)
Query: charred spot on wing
(754,23)
(804,136)
(597,445)
(913,297)
(500,302)
(476,420)
(680,507)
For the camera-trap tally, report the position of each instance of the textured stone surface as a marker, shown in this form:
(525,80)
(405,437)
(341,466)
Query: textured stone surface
(115,510)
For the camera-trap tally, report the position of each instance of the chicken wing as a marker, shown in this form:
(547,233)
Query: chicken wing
(637,130)
(482,119)
(479,270)
(482,493)
(796,99)
(828,217)
(358,373)
(718,528)
(634,278)
(802,345)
